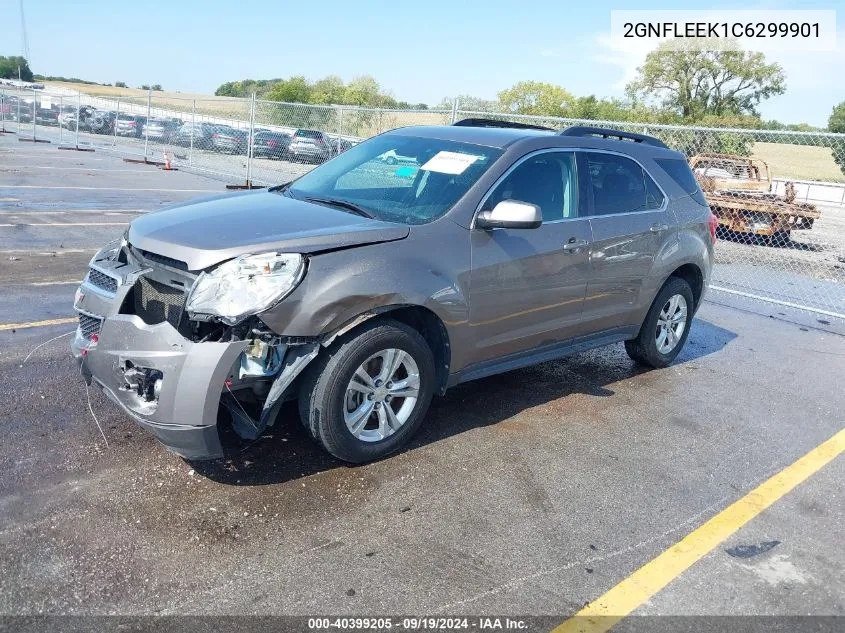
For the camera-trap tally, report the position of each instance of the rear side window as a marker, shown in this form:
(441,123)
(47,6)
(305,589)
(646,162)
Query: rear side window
(679,171)
(309,134)
(620,185)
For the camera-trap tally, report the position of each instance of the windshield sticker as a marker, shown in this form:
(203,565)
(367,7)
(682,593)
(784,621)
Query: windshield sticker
(406,172)
(450,162)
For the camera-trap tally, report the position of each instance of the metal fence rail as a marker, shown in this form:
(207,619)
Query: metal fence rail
(781,200)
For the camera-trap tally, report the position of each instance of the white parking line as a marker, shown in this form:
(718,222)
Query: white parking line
(68,224)
(107,188)
(128,171)
(55,283)
(64,251)
(10,212)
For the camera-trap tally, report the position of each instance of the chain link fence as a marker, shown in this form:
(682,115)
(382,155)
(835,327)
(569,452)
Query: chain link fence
(779,196)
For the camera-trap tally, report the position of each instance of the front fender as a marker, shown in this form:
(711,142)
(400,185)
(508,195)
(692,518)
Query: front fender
(341,286)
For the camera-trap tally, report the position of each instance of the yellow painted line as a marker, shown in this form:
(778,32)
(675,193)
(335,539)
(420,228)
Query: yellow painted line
(22,326)
(638,588)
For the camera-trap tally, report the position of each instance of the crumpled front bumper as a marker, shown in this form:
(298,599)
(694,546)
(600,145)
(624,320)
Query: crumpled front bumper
(184,417)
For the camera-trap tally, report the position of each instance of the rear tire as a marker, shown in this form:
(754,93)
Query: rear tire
(359,417)
(666,326)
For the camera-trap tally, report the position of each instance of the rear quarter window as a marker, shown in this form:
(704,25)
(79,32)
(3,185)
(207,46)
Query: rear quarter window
(679,171)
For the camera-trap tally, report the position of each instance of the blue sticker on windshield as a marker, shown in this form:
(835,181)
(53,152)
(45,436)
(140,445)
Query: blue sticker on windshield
(406,171)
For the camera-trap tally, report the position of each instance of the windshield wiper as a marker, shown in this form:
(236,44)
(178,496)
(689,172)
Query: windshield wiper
(344,204)
(280,188)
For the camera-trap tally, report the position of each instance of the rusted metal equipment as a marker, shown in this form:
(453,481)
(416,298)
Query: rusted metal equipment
(739,192)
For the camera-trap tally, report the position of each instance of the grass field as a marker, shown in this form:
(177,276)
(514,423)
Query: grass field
(802,162)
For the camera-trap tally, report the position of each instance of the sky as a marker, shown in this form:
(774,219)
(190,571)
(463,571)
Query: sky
(418,51)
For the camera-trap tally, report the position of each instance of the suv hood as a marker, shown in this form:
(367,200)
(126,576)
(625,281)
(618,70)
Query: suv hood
(205,232)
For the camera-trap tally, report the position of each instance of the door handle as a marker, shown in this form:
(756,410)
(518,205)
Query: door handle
(574,244)
(657,227)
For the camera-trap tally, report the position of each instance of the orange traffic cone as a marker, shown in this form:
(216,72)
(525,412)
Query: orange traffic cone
(167,165)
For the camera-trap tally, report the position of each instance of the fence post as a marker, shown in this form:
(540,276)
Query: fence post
(20,98)
(249,139)
(147,124)
(193,126)
(78,107)
(61,120)
(339,127)
(114,124)
(34,113)
(454,116)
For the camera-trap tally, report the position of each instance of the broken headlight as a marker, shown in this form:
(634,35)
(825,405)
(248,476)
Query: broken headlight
(245,285)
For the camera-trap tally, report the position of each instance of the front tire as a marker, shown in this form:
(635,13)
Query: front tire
(368,394)
(666,326)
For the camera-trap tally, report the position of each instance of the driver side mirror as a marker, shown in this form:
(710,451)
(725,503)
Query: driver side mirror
(510,214)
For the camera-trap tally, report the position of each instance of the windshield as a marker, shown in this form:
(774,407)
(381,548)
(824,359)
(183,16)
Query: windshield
(430,177)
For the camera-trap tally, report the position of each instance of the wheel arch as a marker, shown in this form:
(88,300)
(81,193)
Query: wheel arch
(424,320)
(693,275)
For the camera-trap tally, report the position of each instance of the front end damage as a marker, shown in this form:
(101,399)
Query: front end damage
(170,372)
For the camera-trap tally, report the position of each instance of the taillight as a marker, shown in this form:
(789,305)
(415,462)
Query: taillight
(213,136)
(132,124)
(271,143)
(713,222)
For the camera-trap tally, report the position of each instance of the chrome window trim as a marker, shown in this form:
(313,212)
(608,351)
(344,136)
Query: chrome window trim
(547,150)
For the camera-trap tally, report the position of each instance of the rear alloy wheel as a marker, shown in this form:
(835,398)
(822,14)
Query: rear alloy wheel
(666,326)
(366,395)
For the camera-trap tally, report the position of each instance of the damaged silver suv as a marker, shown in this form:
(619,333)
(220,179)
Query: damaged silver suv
(362,288)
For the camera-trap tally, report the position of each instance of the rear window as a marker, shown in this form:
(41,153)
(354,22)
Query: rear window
(309,133)
(679,171)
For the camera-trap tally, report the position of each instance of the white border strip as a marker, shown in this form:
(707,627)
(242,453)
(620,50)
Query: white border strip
(788,304)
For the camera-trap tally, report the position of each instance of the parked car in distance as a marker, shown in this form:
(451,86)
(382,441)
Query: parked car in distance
(229,140)
(162,130)
(130,125)
(271,145)
(198,134)
(312,146)
(46,116)
(85,114)
(102,122)
(361,292)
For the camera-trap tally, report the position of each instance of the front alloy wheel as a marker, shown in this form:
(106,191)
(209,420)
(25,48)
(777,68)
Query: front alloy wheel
(365,396)
(381,395)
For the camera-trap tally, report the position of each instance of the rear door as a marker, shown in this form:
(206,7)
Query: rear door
(528,285)
(630,223)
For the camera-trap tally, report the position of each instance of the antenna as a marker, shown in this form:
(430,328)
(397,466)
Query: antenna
(24,39)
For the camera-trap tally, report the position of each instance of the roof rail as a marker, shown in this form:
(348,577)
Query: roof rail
(498,123)
(608,133)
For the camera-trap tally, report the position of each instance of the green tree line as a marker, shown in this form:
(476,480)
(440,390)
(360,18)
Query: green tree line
(10,66)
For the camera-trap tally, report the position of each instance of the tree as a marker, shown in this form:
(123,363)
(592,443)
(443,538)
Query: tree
(364,91)
(471,103)
(328,90)
(836,123)
(120,84)
(144,87)
(156,87)
(11,67)
(293,90)
(696,83)
(536,97)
